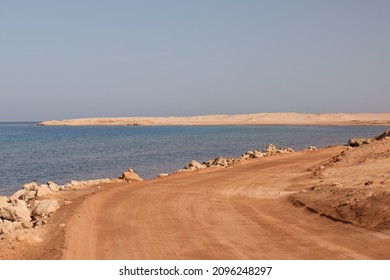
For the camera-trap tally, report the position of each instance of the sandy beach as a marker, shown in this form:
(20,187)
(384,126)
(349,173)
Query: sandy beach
(244,119)
(329,203)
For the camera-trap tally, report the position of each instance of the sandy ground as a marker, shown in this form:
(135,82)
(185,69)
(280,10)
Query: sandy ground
(245,119)
(331,203)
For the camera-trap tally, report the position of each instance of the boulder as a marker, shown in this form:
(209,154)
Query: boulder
(194,165)
(162,175)
(244,156)
(311,148)
(23,195)
(43,190)
(75,183)
(285,150)
(130,176)
(270,149)
(384,136)
(251,154)
(44,207)
(356,142)
(220,161)
(33,186)
(208,163)
(230,161)
(6,227)
(3,201)
(257,154)
(53,186)
(16,211)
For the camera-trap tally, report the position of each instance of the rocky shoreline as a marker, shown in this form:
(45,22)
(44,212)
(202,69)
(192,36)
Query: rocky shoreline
(30,207)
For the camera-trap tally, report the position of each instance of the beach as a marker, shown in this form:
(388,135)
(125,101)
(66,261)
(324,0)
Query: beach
(243,119)
(329,203)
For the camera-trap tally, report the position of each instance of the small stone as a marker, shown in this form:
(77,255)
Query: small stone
(36,239)
(67,202)
(21,237)
(27,225)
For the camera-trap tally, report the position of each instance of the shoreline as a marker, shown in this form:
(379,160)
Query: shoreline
(279,181)
(326,119)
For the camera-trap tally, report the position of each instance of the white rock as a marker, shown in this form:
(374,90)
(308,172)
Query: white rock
(30,186)
(23,195)
(53,186)
(43,190)
(194,165)
(130,176)
(45,207)
(220,161)
(257,154)
(7,227)
(16,211)
(3,201)
(270,149)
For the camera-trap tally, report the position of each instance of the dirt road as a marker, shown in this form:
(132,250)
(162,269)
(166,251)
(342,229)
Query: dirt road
(242,212)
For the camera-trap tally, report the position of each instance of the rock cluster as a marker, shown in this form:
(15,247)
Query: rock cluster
(384,136)
(224,162)
(30,206)
(356,142)
(18,214)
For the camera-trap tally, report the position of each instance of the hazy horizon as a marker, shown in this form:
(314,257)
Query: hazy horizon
(76,59)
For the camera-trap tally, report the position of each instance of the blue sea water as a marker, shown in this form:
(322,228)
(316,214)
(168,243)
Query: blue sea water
(42,153)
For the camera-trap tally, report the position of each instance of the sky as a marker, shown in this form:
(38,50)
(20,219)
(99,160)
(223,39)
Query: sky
(94,58)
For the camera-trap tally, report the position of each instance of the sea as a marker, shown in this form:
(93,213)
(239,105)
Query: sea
(29,152)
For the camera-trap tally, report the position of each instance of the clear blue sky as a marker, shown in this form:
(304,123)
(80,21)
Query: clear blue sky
(79,58)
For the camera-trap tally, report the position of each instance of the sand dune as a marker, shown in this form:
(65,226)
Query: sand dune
(245,119)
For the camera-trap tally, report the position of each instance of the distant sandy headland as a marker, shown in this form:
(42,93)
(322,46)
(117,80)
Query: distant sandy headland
(242,119)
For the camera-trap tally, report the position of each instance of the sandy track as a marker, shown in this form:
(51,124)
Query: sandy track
(241,212)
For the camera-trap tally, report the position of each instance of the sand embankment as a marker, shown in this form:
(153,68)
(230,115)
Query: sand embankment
(244,119)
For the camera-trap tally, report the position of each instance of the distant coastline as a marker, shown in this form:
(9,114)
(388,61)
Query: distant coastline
(380,119)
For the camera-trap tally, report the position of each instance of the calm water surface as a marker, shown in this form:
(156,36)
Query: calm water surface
(39,153)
